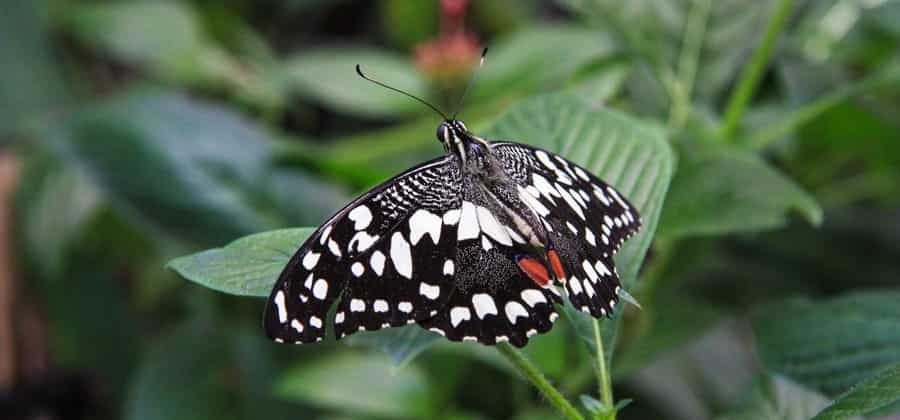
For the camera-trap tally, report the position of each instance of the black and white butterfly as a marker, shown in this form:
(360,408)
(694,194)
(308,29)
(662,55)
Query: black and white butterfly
(478,245)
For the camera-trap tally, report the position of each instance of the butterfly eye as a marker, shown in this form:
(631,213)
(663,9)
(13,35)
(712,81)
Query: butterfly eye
(461,126)
(443,133)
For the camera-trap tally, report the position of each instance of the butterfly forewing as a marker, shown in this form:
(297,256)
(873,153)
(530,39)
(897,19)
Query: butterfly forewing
(587,220)
(382,255)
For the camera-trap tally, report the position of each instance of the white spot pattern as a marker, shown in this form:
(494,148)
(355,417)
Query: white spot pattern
(279,304)
(468,223)
(449,267)
(484,305)
(401,256)
(491,227)
(310,260)
(459,314)
(429,291)
(376,261)
(380,305)
(532,297)
(423,222)
(358,269)
(361,217)
(320,290)
(357,305)
(514,310)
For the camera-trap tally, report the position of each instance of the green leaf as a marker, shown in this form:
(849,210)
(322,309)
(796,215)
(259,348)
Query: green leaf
(655,30)
(359,384)
(870,395)
(53,205)
(726,190)
(776,398)
(401,344)
(630,155)
(246,267)
(328,76)
(32,81)
(148,33)
(830,345)
(537,57)
(178,166)
(167,39)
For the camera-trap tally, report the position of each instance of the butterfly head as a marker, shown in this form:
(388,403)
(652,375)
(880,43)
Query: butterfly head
(451,133)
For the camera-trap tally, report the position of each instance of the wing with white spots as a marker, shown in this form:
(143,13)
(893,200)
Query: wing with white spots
(388,256)
(495,300)
(587,220)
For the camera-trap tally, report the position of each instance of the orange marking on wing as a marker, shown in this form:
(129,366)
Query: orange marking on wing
(556,264)
(535,271)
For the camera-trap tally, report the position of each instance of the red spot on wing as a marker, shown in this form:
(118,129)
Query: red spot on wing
(535,270)
(556,264)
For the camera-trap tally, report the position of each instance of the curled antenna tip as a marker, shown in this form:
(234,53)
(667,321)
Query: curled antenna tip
(359,71)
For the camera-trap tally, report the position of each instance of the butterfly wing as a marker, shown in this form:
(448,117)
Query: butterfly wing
(384,255)
(587,220)
(494,301)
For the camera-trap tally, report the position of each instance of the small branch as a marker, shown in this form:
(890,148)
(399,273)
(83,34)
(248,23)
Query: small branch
(8,362)
(531,372)
(603,381)
(753,72)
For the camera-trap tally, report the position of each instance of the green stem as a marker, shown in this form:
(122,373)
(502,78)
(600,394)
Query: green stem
(753,73)
(694,32)
(603,380)
(531,372)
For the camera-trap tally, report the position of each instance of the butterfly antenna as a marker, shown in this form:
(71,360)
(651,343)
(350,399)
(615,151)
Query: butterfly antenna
(471,82)
(360,73)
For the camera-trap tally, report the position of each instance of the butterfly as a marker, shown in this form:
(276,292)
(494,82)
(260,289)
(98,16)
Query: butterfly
(480,244)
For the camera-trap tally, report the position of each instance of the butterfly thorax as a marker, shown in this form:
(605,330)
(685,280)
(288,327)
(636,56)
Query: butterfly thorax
(487,179)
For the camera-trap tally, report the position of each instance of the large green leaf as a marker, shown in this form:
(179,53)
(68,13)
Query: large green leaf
(870,395)
(359,384)
(246,267)
(183,167)
(631,155)
(722,191)
(830,345)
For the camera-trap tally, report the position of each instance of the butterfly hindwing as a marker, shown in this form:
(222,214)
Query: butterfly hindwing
(382,255)
(587,220)
(494,300)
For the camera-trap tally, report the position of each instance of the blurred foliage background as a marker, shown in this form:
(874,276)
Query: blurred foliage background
(134,132)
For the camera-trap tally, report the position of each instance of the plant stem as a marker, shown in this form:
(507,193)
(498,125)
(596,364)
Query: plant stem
(694,31)
(531,372)
(752,73)
(602,373)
